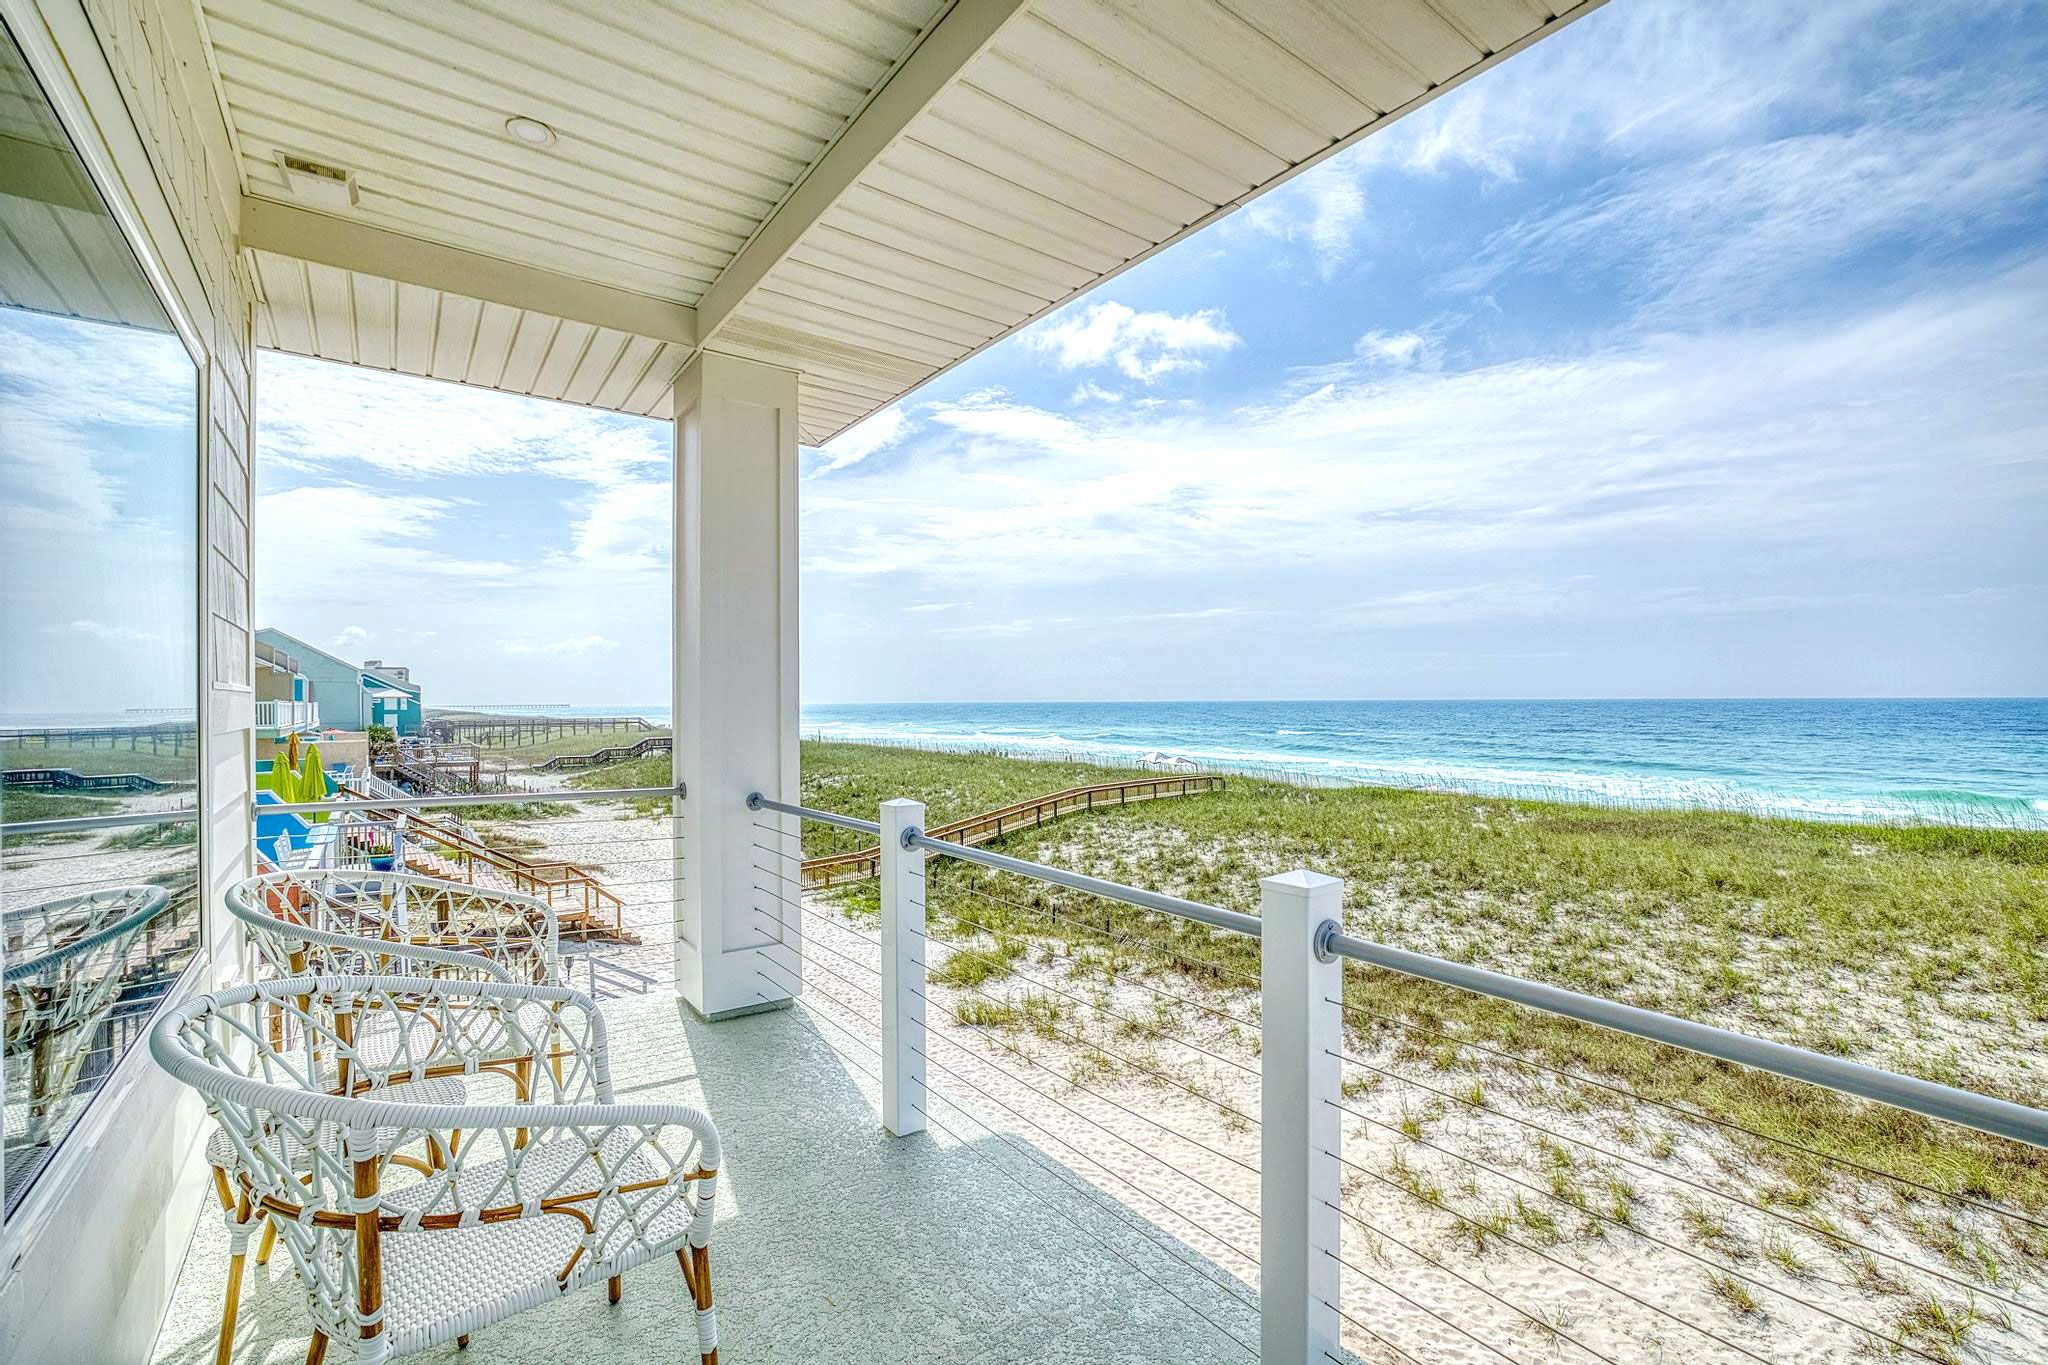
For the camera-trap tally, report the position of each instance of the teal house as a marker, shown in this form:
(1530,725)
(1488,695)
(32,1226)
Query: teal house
(353,696)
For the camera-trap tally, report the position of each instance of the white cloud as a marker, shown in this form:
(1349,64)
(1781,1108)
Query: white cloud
(1460,605)
(626,527)
(348,544)
(349,636)
(1393,348)
(864,438)
(1776,432)
(992,413)
(82,400)
(105,632)
(317,416)
(1750,225)
(1322,209)
(1088,391)
(1142,346)
(1642,86)
(983,630)
(577,644)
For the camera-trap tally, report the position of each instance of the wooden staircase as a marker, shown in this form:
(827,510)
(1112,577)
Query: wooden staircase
(436,846)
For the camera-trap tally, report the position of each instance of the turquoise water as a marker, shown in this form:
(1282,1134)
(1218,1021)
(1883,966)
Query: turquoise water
(1959,761)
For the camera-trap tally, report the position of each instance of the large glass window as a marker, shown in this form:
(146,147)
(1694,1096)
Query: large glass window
(98,636)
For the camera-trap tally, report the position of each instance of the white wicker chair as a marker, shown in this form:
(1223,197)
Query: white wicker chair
(539,1198)
(290,914)
(327,922)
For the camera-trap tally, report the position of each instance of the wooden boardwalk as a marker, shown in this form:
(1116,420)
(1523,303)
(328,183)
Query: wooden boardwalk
(617,753)
(67,780)
(989,826)
(495,732)
(177,736)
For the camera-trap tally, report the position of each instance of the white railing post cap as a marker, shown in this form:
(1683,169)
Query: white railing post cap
(1301,879)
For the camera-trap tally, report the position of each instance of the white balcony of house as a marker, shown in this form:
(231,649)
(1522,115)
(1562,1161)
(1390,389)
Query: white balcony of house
(278,718)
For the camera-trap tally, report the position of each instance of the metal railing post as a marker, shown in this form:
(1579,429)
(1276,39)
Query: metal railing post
(1301,1037)
(903,1040)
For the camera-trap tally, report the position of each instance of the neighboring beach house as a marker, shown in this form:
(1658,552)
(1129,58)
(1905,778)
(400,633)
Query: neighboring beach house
(351,696)
(287,701)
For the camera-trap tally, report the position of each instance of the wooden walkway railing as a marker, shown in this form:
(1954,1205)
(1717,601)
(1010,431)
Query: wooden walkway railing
(504,731)
(66,780)
(617,753)
(989,826)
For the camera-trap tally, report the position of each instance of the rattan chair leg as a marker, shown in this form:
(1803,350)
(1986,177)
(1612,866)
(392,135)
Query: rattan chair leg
(317,1352)
(268,1243)
(700,1258)
(225,1352)
(612,1288)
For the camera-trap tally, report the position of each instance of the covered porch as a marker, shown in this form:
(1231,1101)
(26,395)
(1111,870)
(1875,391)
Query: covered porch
(761,223)
(834,1240)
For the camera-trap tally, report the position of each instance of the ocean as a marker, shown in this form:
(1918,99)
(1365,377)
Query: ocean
(1943,760)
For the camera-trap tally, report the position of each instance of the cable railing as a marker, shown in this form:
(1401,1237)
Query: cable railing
(1420,1187)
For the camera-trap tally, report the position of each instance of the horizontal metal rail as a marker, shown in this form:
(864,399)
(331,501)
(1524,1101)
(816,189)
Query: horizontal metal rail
(445,802)
(79,824)
(1213,916)
(2002,1118)
(756,801)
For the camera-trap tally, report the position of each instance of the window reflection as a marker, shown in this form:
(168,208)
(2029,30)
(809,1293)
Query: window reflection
(98,637)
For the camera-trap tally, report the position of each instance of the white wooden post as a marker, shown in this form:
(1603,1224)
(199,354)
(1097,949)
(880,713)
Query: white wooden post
(735,679)
(903,1038)
(1298,1081)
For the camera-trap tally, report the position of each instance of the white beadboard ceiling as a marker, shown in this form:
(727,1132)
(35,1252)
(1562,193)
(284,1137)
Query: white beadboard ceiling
(866,191)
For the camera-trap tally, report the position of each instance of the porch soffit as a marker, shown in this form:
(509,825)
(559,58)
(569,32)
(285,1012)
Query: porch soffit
(865,191)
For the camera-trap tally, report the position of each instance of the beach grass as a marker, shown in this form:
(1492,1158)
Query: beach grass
(855,779)
(1918,948)
(164,766)
(1911,947)
(20,807)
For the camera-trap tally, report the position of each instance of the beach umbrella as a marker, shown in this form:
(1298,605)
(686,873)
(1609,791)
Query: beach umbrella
(312,784)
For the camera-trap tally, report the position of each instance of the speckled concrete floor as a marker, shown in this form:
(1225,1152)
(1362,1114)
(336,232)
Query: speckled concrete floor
(833,1242)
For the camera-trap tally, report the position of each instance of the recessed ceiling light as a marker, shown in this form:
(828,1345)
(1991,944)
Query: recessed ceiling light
(530,131)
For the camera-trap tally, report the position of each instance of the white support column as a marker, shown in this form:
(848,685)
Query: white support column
(903,962)
(1298,1119)
(735,678)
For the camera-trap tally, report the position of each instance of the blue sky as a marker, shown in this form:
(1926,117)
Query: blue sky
(1698,351)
